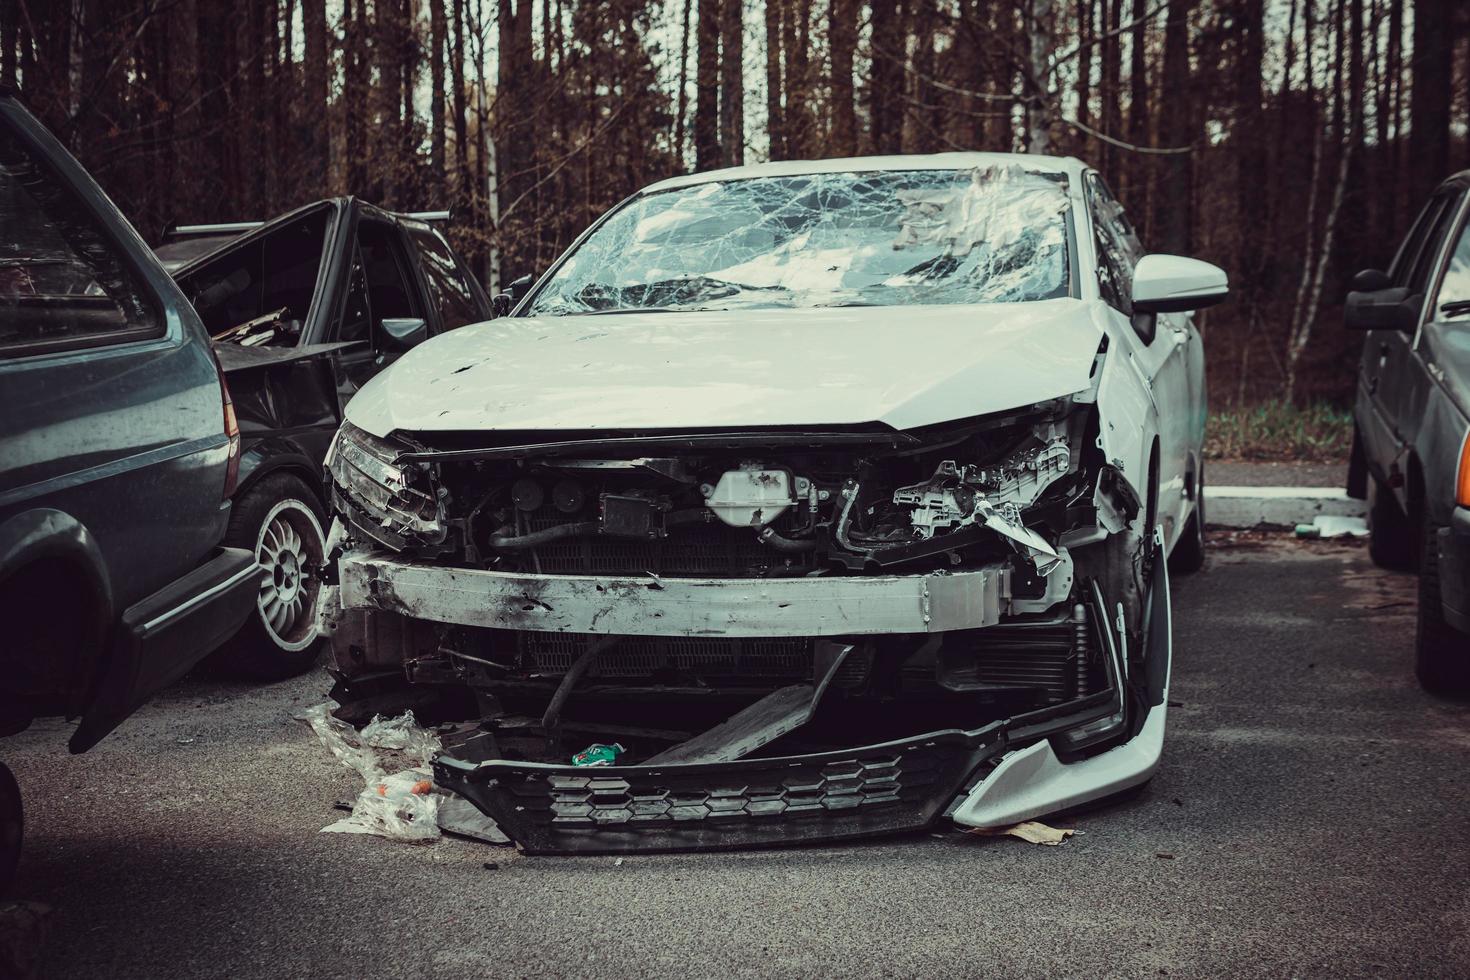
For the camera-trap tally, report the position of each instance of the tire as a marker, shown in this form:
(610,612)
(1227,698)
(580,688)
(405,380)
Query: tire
(12,828)
(1441,652)
(1189,550)
(279,521)
(1392,541)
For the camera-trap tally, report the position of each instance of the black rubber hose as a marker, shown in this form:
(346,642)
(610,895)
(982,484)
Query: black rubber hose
(533,539)
(790,546)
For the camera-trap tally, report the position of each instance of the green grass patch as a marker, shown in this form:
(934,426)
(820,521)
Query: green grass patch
(1277,431)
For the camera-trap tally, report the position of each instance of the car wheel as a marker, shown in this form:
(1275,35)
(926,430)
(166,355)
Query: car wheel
(1189,550)
(1441,652)
(12,827)
(280,522)
(1392,542)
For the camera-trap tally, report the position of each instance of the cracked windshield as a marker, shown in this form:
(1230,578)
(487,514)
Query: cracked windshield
(897,238)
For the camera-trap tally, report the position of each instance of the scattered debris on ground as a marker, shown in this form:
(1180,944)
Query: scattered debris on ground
(404,805)
(1030,831)
(1332,526)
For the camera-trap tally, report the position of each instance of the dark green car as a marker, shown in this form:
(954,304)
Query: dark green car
(1411,451)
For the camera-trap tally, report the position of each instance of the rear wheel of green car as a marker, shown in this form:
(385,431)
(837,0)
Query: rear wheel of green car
(12,827)
(1441,652)
(1392,541)
(280,522)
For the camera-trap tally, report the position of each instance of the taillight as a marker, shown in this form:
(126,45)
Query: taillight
(1462,485)
(232,431)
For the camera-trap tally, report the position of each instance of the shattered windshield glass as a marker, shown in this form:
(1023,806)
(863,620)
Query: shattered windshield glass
(995,234)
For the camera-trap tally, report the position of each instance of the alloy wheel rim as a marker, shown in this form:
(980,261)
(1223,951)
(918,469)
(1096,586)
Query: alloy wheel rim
(289,551)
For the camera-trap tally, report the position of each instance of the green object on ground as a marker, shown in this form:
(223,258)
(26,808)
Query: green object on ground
(598,755)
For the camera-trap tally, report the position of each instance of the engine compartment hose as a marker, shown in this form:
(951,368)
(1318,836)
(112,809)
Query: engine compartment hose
(533,539)
(790,546)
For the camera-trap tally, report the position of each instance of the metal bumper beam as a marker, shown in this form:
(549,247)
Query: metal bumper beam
(649,606)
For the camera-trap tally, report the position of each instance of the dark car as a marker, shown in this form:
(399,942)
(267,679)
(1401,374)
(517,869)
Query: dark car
(118,458)
(1411,447)
(303,310)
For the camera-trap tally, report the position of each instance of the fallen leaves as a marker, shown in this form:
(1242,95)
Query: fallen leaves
(1030,831)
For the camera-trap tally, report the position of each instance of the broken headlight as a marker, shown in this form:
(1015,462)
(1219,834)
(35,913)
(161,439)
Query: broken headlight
(397,503)
(980,489)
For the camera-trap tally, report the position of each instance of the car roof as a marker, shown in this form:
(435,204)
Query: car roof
(1069,166)
(1458,181)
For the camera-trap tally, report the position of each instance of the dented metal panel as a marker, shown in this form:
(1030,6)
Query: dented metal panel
(839,606)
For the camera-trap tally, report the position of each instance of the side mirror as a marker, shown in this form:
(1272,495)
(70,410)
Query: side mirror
(1371,280)
(404,332)
(1175,284)
(502,303)
(1383,309)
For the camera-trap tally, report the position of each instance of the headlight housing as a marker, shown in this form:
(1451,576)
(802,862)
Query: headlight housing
(396,503)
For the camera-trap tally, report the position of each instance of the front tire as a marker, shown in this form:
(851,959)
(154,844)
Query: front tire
(12,827)
(1189,550)
(279,521)
(1441,652)
(1392,542)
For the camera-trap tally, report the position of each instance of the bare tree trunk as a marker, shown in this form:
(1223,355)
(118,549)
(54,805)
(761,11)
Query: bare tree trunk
(775,30)
(438,29)
(800,118)
(732,82)
(1112,71)
(707,154)
(1430,72)
(316,156)
(683,98)
(1039,39)
(926,115)
(355,93)
(1139,164)
(1309,293)
(842,38)
(885,91)
(9,42)
(457,95)
(1177,125)
(1085,36)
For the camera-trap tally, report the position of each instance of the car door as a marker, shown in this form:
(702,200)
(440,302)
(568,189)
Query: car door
(381,285)
(1158,349)
(1390,375)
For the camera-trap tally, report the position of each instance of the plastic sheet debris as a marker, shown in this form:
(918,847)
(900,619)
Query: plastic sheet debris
(401,806)
(1333,526)
(1030,831)
(598,755)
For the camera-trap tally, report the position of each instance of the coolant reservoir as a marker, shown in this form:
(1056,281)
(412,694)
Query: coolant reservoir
(750,496)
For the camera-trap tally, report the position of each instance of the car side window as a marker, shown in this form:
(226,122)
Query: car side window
(1117,246)
(63,282)
(449,290)
(1454,285)
(1415,261)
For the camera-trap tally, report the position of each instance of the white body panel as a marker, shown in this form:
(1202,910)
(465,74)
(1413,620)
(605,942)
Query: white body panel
(903,367)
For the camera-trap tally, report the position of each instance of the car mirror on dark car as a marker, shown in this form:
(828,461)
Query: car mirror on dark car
(405,331)
(1371,280)
(1382,309)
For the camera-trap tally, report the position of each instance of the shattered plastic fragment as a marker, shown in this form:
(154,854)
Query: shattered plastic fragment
(1030,831)
(402,806)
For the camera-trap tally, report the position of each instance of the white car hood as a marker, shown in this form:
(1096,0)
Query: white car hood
(901,366)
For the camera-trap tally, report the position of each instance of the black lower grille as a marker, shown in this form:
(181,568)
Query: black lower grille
(880,789)
(1042,656)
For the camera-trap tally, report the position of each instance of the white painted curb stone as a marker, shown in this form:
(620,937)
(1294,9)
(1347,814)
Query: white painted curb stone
(1246,507)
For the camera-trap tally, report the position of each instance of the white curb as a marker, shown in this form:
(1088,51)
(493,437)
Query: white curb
(1245,507)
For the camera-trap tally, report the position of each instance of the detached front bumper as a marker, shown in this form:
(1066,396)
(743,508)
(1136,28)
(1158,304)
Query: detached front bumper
(1025,766)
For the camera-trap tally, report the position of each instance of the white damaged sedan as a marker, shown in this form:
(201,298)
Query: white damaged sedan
(796,502)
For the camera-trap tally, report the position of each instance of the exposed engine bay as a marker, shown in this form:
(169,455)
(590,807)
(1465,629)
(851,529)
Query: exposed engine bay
(731,597)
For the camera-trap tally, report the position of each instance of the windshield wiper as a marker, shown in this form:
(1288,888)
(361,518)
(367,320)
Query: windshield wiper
(1458,307)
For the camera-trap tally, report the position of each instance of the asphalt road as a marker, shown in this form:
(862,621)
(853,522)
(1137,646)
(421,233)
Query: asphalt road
(1312,818)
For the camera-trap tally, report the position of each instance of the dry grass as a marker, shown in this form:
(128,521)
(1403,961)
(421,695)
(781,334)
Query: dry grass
(1274,430)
